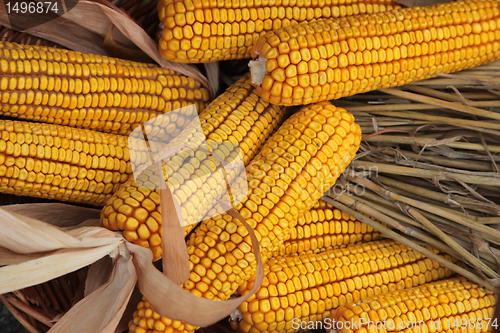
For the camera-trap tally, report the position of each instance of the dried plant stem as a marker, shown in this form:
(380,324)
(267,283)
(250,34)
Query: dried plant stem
(488,257)
(19,316)
(454,82)
(383,204)
(383,207)
(19,294)
(349,200)
(431,142)
(441,197)
(59,294)
(391,234)
(486,127)
(414,106)
(453,216)
(457,209)
(438,160)
(436,93)
(30,311)
(451,243)
(420,173)
(371,130)
(441,103)
(405,219)
(490,261)
(430,166)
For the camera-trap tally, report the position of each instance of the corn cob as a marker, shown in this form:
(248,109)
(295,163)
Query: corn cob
(62,163)
(89,91)
(294,168)
(306,288)
(198,31)
(239,116)
(454,305)
(324,228)
(333,58)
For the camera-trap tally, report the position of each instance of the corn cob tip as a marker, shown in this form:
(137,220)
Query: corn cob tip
(257,69)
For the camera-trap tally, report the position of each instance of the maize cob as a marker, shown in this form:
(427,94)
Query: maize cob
(239,116)
(62,163)
(306,288)
(197,31)
(324,228)
(294,168)
(89,91)
(454,305)
(332,58)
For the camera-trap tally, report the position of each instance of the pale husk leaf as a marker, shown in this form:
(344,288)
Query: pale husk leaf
(99,273)
(48,267)
(24,234)
(102,310)
(8,257)
(57,214)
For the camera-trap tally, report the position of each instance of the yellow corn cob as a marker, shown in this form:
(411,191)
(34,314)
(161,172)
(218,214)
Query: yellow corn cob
(306,288)
(294,168)
(325,228)
(332,58)
(62,163)
(239,116)
(89,91)
(454,305)
(201,31)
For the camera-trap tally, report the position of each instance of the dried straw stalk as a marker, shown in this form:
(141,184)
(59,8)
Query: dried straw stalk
(428,168)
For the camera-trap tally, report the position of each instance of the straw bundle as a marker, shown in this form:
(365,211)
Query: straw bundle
(428,167)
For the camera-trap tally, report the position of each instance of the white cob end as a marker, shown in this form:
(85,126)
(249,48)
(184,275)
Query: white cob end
(236,315)
(258,69)
(159,31)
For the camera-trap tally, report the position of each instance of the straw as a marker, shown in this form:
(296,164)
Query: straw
(428,168)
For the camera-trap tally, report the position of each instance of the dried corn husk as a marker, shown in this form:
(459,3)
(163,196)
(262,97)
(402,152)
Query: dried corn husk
(47,251)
